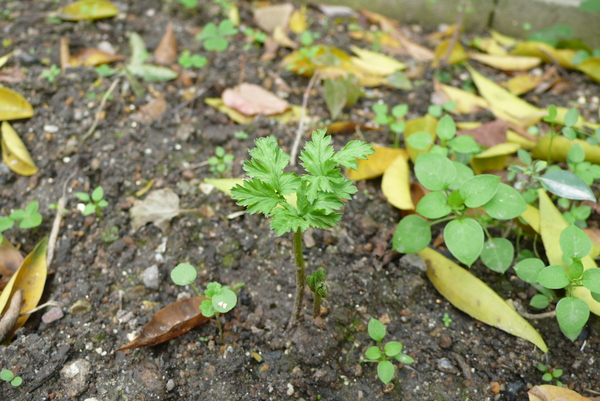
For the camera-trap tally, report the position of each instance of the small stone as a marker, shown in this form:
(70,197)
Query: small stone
(80,307)
(151,278)
(468,383)
(413,260)
(290,389)
(184,131)
(495,387)
(188,175)
(75,376)
(444,365)
(170,385)
(445,341)
(149,375)
(51,129)
(53,314)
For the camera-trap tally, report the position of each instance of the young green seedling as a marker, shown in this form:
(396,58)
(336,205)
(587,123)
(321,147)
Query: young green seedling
(221,161)
(51,73)
(189,4)
(94,203)
(447,320)
(220,299)
(317,284)
(27,218)
(572,312)
(318,194)
(383,353)
(215,37)
(395,120)
(187,60)
(550,374)
(9,377)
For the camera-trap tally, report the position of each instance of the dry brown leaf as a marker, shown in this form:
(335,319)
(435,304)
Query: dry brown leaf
(92,57)
(346,127)
(554,393)
(267,18)
(11,75)
(9,319)
(166,51)
(415,50)
(10,261)
(159,207)
(488,135)
(250,99)
(151,111)
(171,321)
(270,47)
(65,53)
(283,39)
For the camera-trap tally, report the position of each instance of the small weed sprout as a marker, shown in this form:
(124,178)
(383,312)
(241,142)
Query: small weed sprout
(447,320)
(307,38)
(51,73)
(383,353)
(9,377)
(189,4)
(221,161)
(254,36)
(27,218)
(550,374)
(214,37)
(187,60)
(395,120)
(220,299)
(94,203)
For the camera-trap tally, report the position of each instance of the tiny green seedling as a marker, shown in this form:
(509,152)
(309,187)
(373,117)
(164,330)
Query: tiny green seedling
(27,218)
(383,353)
(318,285)
(220,299)
(105,71)
(254,36)
(189,4)
(94,203)
(395,119)
(187,60)
(9,377)
(51,73)
(221,161)
(318,194)
(447,320)
(307,38)
(214,37)
(550,374)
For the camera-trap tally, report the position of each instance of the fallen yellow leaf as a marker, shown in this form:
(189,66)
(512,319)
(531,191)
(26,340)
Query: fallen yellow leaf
(427,123)
(522,84)
(375,63)
(236,116)
(31,278)
(88,10)
(13,106)
(552,224)
(472,296)
(490,46)
(591,67)
(224,184)
(493,158)
(395,184)
(457,54)
(466,102)
(503,40)
(298,22)
(507,62)
(560,149)
(513,137)
(546,52)
(554,393)
(14,153)
(376,163)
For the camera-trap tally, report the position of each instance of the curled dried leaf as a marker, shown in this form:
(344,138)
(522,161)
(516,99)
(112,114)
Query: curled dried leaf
(171,321)
(12,314)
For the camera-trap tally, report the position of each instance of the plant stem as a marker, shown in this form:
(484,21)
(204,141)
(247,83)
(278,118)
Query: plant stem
(299,297)
(218,318)
(317,306)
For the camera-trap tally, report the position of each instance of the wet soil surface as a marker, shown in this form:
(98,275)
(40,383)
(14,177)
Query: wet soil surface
(101,265)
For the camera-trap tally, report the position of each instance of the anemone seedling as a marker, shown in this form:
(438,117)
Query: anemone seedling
(215,37)
(94,203)
(318,194)
(27,218)
(219,298)
(383,353)
(9,377)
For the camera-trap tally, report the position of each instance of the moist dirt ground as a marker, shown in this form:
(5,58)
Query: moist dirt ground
(100,264)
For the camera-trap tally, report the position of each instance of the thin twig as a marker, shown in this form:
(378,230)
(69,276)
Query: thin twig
(527,315)
(300,130)
(42,306)
(99,111)
(60,206)
(454,38)
(242,69)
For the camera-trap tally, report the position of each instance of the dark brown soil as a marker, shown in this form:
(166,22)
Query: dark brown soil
(312,361)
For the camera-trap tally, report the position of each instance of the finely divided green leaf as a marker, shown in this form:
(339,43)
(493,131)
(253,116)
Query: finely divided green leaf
(267,164)
(352,151)
(257,196)
(478,190)
(464,239)
(567,185)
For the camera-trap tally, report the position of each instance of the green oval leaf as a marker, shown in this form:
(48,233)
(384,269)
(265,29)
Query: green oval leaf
(478,190)
(571,117)
(497,254)
(567,185)
(183,274)
(464,144)
(572,314)
(528,269)
(446,128)
(463,173)
(385,371)
(591,279)
(392,348)
(539,301)
(412,234)
(433,205)
(224,301)
(420,140)
(405,359)
(376,329)
(464,239)
(575,243)
(434,171)
(373,353)
(553,277)
(507,203)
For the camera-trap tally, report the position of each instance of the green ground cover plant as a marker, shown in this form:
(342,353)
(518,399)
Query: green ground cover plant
(296,202)
(94,202)
(27,218)
(215,37)
(221,161)
(9,377)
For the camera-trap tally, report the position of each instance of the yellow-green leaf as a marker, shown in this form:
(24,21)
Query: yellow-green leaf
(457,54)
(508,63)
(503,100)
(14,153)
(88,10)
(375,63)
(13,106)
(396,184)
(560,149)
(472,296)
(552,224)
(513,137)
(532,217)
(375,164)
(31,278)
(546,52)
(224,184)
(493,158)
(466,102)
(427,123)
(591,67)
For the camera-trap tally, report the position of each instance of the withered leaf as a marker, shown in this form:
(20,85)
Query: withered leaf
(489,134)
(250,99)
(10,261)
(159,207)
(166,51)
(171,321)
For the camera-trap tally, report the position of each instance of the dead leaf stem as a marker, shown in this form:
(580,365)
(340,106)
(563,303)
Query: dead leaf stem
(99,111)
(300,129)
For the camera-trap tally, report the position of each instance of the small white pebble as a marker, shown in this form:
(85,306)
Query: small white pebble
(290,389)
